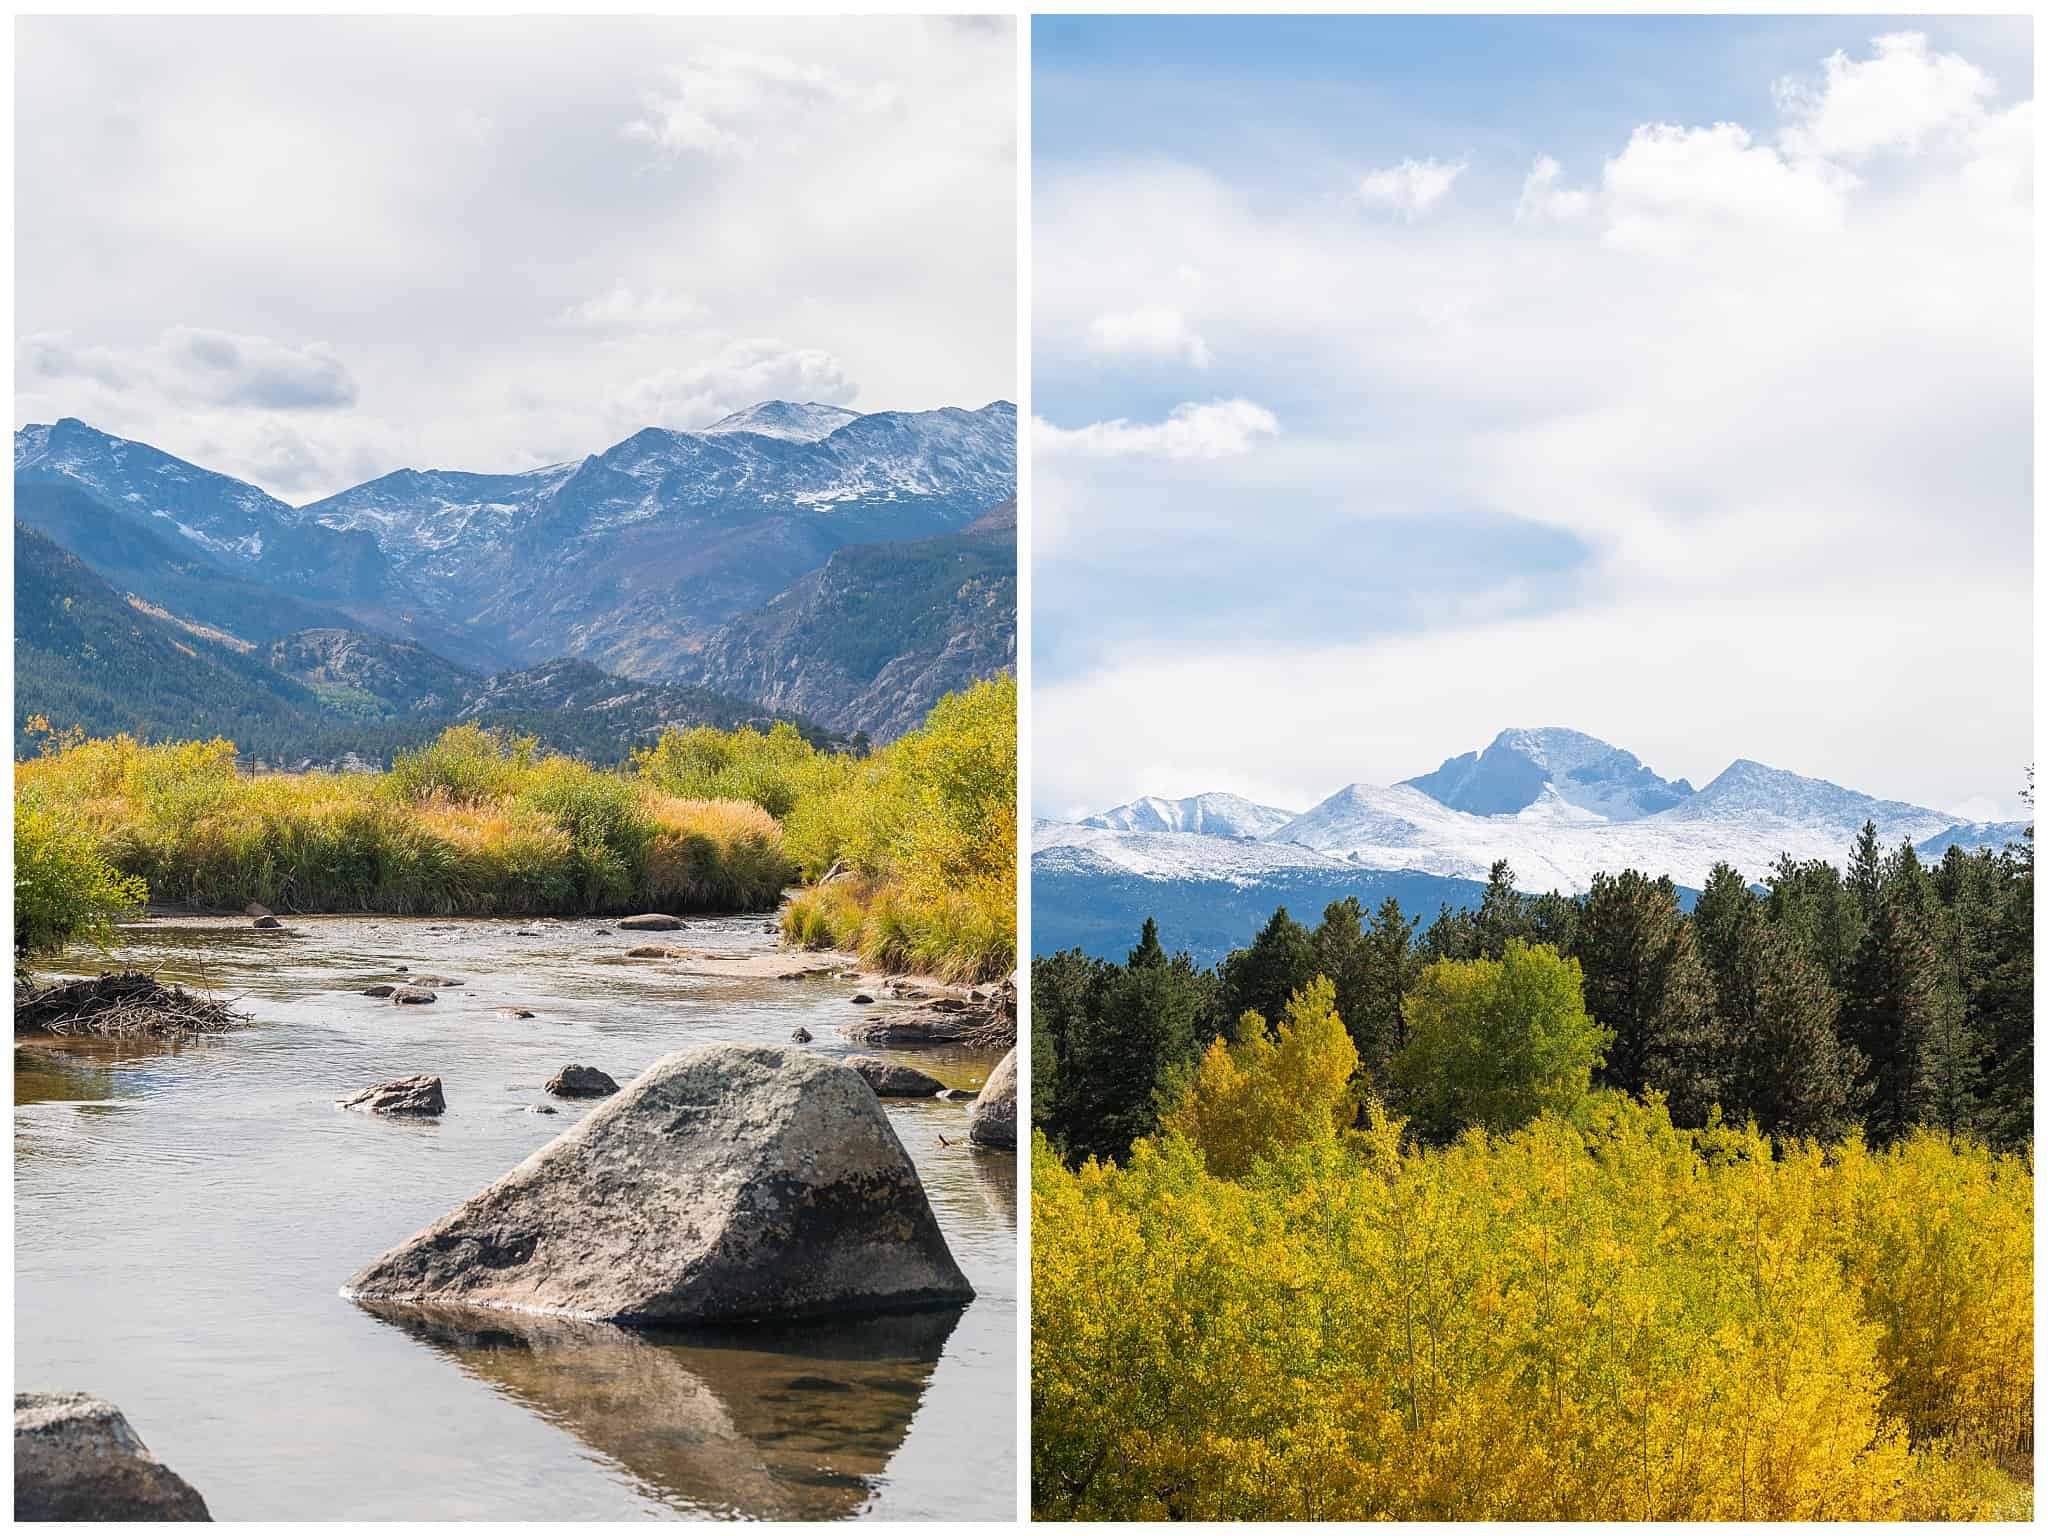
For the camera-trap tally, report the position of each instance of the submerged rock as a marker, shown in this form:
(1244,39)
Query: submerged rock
(651,922)
(574,1082)
(993,1120)
(649,952)
(860,998)
(382,989)
(75,1458)
(914,1026)
(725,1183)
(401,1096)
(890,1080)
(266,921)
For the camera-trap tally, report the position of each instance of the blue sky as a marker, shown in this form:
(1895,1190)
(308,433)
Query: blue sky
(1405,379)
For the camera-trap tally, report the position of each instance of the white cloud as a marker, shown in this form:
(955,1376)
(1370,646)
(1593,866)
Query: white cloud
(497,269)
(743,374)
(192,365)
(1545,196)
(1902,95)
(1221,429)
(622,309)
(1150,333)
(1411,188)
(1999,175)
(1749,405)
(1670,182)
(726,100)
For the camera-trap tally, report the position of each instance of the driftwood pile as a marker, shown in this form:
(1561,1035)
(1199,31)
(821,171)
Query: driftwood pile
(120,1004)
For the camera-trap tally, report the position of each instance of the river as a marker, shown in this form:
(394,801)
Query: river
(185,1214)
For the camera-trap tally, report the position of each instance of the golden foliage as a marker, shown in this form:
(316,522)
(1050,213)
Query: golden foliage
(473,823)
(1594,1317)
(1252,1098)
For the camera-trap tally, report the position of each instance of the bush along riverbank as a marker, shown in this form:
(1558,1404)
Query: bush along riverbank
(474,824)
(911,851)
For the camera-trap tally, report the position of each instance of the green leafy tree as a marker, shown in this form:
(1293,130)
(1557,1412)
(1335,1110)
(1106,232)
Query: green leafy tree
(1495,1043)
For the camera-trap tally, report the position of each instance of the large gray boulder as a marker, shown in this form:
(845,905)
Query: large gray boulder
(75,1458)
(725,1183)
(993,1120)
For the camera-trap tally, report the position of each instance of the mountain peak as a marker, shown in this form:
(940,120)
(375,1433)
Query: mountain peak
(1582,771)
(805,422)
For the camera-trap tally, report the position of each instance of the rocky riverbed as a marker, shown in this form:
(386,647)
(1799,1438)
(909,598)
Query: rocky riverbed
(186,1211)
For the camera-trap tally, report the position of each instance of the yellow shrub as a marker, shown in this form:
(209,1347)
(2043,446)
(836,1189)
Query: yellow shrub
(1594,1318)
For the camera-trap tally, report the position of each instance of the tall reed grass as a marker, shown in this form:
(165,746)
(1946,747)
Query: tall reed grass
(911,850)
(475,823)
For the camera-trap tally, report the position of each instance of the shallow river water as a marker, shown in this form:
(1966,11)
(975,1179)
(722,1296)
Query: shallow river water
(185,1215)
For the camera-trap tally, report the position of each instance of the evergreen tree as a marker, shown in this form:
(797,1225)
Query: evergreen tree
(1504,913)
(1260,979)
(1339,945)
(1810,905)
(1452,936)
(1149,951)
(1645,985)
(2005,999)
(1887,1014)
(1392,965)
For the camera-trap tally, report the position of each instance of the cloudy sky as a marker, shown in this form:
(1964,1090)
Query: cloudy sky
(1400,381)
(312,251)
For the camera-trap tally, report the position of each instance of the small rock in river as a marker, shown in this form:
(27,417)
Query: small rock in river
(542,1109)
(860,997)
(411,995)
(517,1013)
(800,1035)
(648,952)
(401,1096)
(382,989)
(267,921)
(574,1082)
(890,1080)
(653,921)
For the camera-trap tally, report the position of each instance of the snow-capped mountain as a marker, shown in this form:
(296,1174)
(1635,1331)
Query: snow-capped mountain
(630,557)
(1588,812)
(1217,814)
(1580,770)
(804,423)
(230,522)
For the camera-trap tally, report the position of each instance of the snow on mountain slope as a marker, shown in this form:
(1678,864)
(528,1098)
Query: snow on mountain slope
(1064,847)
(238,525)
(1216,813)
(786,419)
(1749,816)
(1581,770)
(438,520)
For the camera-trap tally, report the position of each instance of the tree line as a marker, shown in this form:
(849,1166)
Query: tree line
(1888,994)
